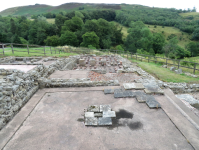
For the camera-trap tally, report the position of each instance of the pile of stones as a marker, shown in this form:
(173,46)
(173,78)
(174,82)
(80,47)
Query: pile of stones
(99,115)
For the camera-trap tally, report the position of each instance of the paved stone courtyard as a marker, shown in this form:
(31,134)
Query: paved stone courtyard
(91,102)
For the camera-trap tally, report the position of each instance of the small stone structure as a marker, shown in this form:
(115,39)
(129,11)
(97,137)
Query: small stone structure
(99,115)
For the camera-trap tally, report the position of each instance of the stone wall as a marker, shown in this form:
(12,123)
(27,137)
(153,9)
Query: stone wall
(17,87)
(147,78)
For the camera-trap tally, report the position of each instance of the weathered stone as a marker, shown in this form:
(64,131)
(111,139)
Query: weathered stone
(89,114)
(92,62)
(173,68)
(136,86)
(108,91)
(164,66)
(104,108)
(109,114)
(152,87)
(97,114)
(140,96)
(93,108)
(104,121)
(179,71)
(93,121)
(82,62)
(151,102)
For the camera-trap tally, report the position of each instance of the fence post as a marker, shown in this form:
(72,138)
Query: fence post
(59,51)
(44,51)
(12,48)
(127,55)
(55,50)
(166,61)
(3,48)
(194,68)
(131,55)
(123,53)
(50,50)
(178,64)
(136,56)
(148,59)
(28,49)
(155,60)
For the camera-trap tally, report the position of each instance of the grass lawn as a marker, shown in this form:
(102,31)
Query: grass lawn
(39,51)
(164,74)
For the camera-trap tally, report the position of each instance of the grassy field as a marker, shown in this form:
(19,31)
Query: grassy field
(165,74)
(194,14)
(23,52)
(52,20)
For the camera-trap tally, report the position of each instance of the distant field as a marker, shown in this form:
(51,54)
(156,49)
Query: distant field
(194,14)
(51,20)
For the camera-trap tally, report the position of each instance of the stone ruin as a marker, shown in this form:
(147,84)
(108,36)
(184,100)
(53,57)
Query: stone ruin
(17,86)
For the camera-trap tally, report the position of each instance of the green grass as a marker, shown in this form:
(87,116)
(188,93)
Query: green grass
(164,74)
(33,52)
(194,14)
(124,29)
(52,20)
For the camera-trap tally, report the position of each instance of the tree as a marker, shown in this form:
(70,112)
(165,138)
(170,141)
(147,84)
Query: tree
(90,38)
(196,34)
(69,38)
(193,48)
(158,42)
(59,21)
(12,26)
(52,40)
(17,39)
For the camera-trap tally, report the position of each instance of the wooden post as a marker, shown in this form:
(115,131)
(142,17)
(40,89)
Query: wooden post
(136,56)
(12,49)
(194,70)
(44,51)
(28,49)
(55,50)
(3,48)
(155,60)
(178,64)
(148,59)
(127,55)
(131,55)
(123,53)
(59,51)
(166,61)
(50,50)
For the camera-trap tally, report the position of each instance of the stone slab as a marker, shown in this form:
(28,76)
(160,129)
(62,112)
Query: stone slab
(136,86)
(124,94)
(93,108)
(97,114)
(104,108)
(108,114)
(140,96)
(91,121)
(152,88)
(151,102)
(89,114)
(108,91)
(104,121)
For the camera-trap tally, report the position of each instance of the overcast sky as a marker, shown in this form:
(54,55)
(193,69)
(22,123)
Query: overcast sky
(179,4)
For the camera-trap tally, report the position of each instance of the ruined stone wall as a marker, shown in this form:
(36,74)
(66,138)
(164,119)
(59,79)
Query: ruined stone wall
(147,78)
(17,87)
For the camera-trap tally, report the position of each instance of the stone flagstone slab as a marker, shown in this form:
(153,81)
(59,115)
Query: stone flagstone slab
(151,102)
(104,121)
(136,86)
(93,108)
(91,121)
(108,114)
(140,96)
(89,114)
(108,91)
(104,108)
(151,88)
(124,94)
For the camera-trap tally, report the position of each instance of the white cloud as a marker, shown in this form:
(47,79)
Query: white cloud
(156,3)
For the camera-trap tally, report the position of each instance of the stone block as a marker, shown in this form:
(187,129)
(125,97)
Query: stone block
(92,121)
(92,62)
(89,114)
(108,114)
(173,68)
(140,96)
(108,91)
(98,115)
(82,62)
(104,108)
(179,71)
(136,86)
(104,121)
(151,102)
(93,108)
(152,88)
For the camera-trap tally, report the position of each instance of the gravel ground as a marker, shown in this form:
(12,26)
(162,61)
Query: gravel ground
(195,95)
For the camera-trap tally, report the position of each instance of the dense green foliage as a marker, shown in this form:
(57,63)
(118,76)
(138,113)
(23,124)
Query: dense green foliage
(94,29)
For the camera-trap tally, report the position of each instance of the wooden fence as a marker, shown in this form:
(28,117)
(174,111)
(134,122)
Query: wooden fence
(129,55)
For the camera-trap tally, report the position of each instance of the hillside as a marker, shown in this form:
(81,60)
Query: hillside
(190,15)
(40,8)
